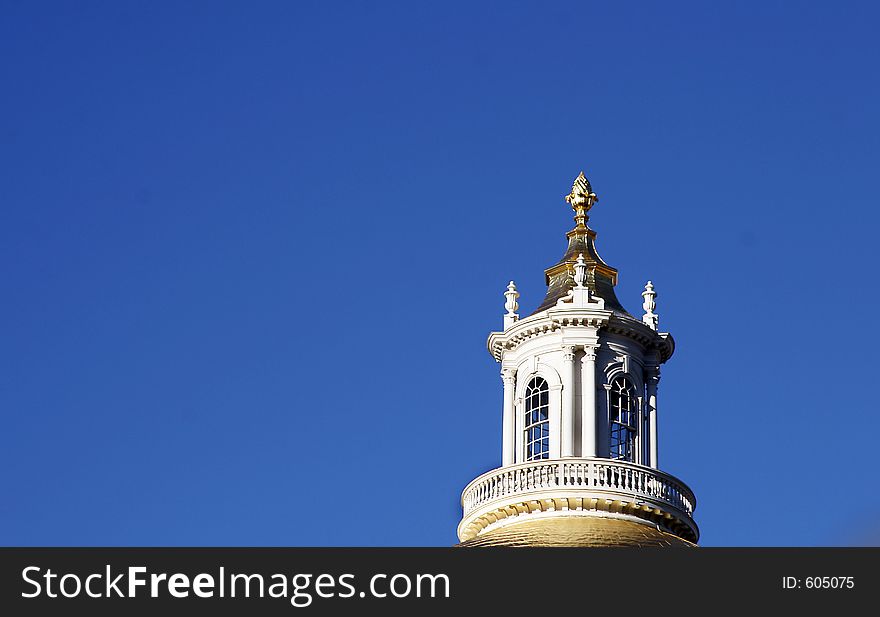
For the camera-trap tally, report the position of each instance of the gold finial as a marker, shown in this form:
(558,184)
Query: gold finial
(581,198)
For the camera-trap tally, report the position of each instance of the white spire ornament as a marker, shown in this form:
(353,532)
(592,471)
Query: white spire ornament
(580,296)
(650,318)
(580,271)
(511,305)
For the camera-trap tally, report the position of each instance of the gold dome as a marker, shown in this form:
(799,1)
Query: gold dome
(576,531)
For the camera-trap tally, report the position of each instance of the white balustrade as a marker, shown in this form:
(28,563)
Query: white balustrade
(596,474)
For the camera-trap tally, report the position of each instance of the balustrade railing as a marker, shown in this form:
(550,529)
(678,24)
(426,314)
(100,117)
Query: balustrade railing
(593,474)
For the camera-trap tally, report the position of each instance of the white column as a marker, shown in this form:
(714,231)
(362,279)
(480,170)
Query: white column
(508,430)
(603,438)
(568,380)
(556,398)
(519,430)
(588,401)
(652,379)
(641,435)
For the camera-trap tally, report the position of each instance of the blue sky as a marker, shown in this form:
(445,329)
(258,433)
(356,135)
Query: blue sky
(251,252)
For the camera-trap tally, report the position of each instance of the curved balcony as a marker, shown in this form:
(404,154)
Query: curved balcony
(585,484)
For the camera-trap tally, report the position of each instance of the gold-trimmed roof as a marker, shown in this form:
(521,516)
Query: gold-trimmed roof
(576,531)
(601,278)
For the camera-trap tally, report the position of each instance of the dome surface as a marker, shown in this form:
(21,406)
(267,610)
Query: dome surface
(577,531)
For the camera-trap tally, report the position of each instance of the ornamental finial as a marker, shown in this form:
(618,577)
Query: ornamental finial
(511,295)
(511,305)
(580,271)
(581,198)
(650,318)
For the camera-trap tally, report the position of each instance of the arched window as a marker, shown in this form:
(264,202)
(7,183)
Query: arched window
(537,422)
(623,420)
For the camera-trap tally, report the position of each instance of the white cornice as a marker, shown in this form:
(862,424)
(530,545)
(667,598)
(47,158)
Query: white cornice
(557,317)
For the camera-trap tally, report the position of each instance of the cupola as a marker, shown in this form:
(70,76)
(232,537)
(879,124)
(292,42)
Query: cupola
(579,415)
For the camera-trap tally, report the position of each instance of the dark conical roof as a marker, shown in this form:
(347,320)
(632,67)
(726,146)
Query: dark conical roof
(601,278)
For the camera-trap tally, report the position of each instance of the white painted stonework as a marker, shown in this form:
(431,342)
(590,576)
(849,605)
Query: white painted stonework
(579,347)
(578,350)
(577,487)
